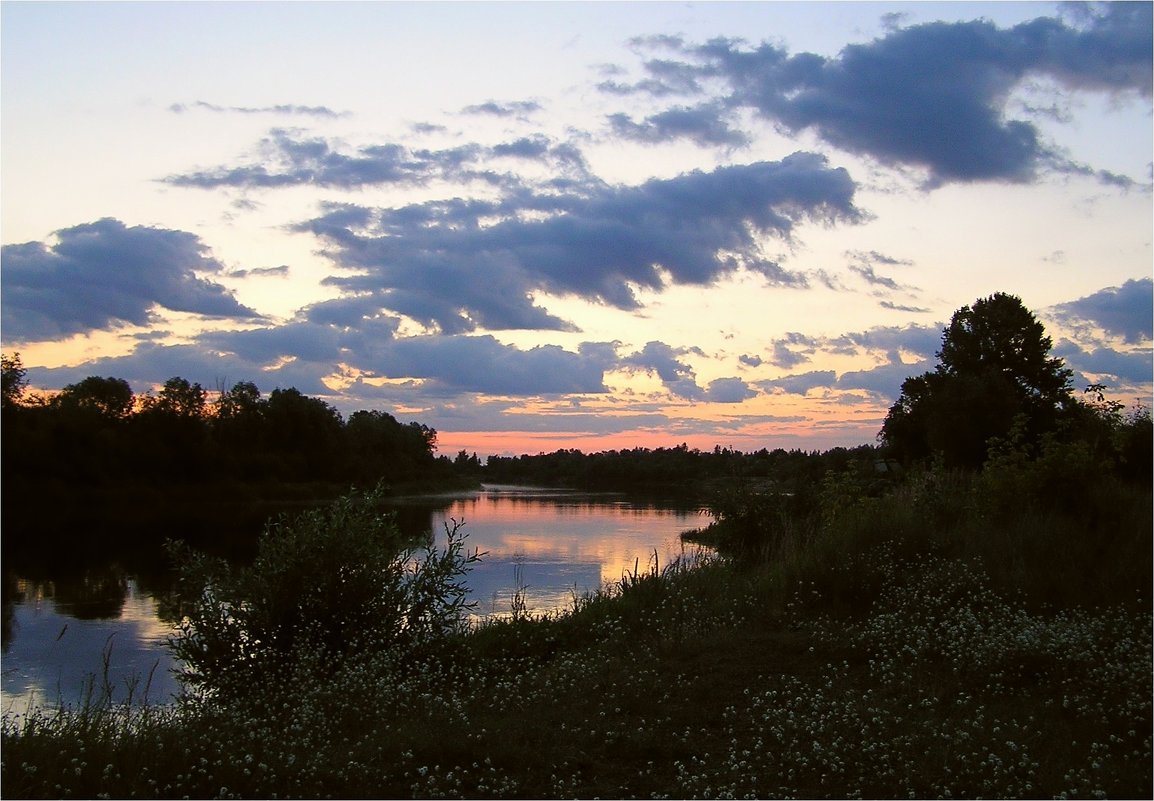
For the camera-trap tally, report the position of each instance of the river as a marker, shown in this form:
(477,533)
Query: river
(65,633)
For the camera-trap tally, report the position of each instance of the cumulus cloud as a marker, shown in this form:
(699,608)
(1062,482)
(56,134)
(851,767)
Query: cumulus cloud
(1126,311)
(729,390)
(703,125)
(436,263)
(934,96)
(1120,367)
(104,274)
(677,376)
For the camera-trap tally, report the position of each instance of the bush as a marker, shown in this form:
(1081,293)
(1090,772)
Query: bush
(326,583)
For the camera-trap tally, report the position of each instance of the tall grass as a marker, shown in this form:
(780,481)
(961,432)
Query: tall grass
(916,642)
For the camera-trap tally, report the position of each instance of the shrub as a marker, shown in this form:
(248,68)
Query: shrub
(325,584)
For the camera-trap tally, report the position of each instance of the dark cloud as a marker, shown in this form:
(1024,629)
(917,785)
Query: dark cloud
(1126,311)
(934,96)
(703,125)
(883,381)
(482,364)
(677,376)
(151,363)
(438,264)
(104,274)
(1126,367)
(750,360)
(308,111)
(785,358)
(728,390)
(921,340)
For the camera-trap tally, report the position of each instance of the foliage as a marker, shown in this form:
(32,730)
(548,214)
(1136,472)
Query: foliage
(994,365)
(97,432)
(681,682)
(111,398)
(325,584)
(13,380)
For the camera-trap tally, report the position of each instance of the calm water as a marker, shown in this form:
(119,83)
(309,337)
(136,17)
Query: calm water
(550,544)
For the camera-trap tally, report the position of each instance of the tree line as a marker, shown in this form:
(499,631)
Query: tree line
(995,383)
(97,432)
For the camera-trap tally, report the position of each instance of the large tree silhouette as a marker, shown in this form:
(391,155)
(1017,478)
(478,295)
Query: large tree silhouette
(994,365)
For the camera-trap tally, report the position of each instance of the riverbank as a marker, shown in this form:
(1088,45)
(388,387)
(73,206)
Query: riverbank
(958,635)
(692,681)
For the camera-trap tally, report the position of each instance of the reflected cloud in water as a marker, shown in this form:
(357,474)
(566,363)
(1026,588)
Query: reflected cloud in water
(553,545)
(53,654)
(550,545)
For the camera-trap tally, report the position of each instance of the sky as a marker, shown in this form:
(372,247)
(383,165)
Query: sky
(544,225)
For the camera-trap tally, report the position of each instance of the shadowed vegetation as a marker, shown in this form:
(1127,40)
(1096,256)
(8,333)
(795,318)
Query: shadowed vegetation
(961,627)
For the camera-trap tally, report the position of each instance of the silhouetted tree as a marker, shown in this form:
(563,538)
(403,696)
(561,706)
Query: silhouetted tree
(13,380)
(994,365)
(242,401)
(111,398)
(304,433)
(179,398)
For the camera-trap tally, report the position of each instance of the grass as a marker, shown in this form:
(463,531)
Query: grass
(912,646)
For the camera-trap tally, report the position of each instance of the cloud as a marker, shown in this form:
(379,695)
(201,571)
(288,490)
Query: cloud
(885,304)
(1126,311)
(308,111)
(884,380)
(785,358)
(921,340)
(677,376)
(152,363)
(728,390)
(289,157)
(933,96)
(103,275)
(1126,367)
(750,360)
(482,364)
(702,125)
(801,383)
(280,271)
(518,108)
(437,263)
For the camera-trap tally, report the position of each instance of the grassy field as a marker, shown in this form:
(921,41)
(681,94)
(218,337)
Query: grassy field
(917,644)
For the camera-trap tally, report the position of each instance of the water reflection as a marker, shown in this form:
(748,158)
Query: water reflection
(552,546)
(546,544)
(62,633)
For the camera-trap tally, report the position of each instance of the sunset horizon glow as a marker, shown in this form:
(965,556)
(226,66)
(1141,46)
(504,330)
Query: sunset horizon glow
(597,226)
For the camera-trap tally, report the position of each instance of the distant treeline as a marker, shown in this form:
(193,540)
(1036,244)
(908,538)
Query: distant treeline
(678,467)
(99,433)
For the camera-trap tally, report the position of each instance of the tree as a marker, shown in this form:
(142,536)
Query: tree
(109,397)
(243,401)
(14,380)
(994,366)
(179,398)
